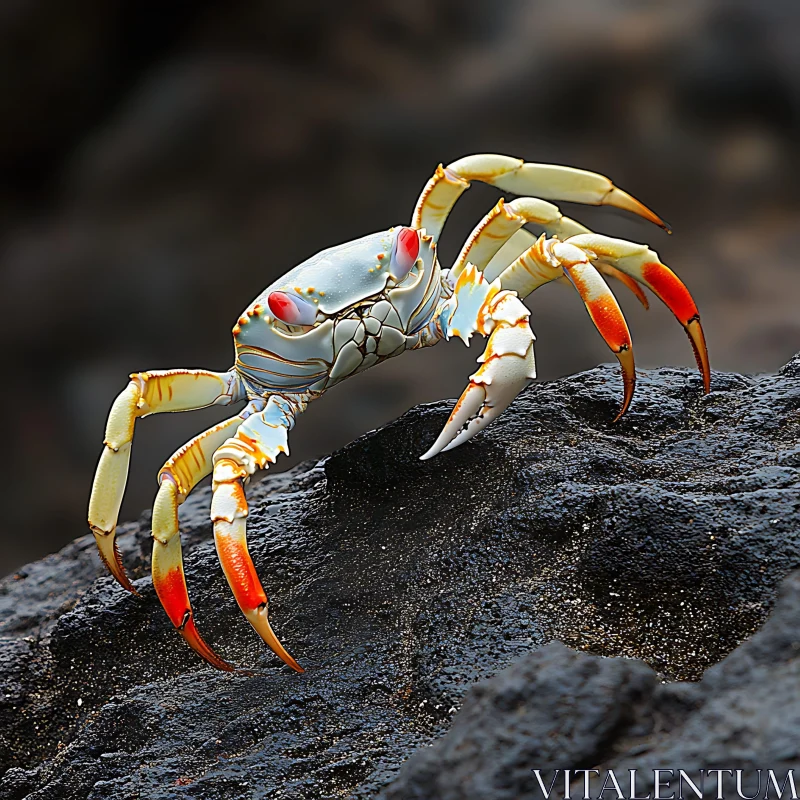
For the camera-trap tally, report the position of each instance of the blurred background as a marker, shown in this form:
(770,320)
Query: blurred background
(160,163)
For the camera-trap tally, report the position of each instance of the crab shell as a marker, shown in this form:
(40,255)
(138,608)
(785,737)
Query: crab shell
(364,315)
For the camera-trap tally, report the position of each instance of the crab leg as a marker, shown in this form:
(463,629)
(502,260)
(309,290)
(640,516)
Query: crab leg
(643,265)
(507,364)
(548,260)
(515,175)
(626,280)
(502,223)
(177,478)
(147,393)
(522,240)
(257,443)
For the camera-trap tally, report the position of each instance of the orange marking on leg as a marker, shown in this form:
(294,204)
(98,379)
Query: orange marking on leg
(607,318)
(671,290)
(173,594)
(610,323)
(241,572)
(612,327)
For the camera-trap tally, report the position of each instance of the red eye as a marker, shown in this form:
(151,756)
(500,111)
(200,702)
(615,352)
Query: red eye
(406,250)
(291,309)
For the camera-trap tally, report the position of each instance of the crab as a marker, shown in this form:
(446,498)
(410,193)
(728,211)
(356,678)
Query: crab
(354,305)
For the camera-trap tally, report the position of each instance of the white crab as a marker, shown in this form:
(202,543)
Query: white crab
(354,305)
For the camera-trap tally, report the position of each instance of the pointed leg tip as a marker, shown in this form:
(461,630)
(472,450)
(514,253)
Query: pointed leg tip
(627,365)
(198,644)
(287,659)
(621,199)
(111,557)
(651,216)
(259,620)
(662,223)
(624,408)
(694,330)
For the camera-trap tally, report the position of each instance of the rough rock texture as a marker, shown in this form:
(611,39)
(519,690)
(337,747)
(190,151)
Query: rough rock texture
(556,709)
(398,584)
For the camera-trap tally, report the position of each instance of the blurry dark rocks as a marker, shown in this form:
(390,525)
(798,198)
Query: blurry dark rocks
(161,163)
(400,584)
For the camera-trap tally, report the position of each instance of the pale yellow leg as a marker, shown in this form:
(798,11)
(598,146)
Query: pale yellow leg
(514,175)
(147,393)
(494,258)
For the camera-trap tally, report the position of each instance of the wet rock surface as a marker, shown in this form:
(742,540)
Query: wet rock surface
(399,584)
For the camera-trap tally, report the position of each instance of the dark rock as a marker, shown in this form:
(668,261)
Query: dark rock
(556,709)
(399,584)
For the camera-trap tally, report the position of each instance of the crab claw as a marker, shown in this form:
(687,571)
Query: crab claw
(644,266)
(507,364)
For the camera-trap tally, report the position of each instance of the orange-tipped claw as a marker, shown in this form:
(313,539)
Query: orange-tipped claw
(169,582)
(670,289)
(609,321)
(109,553)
